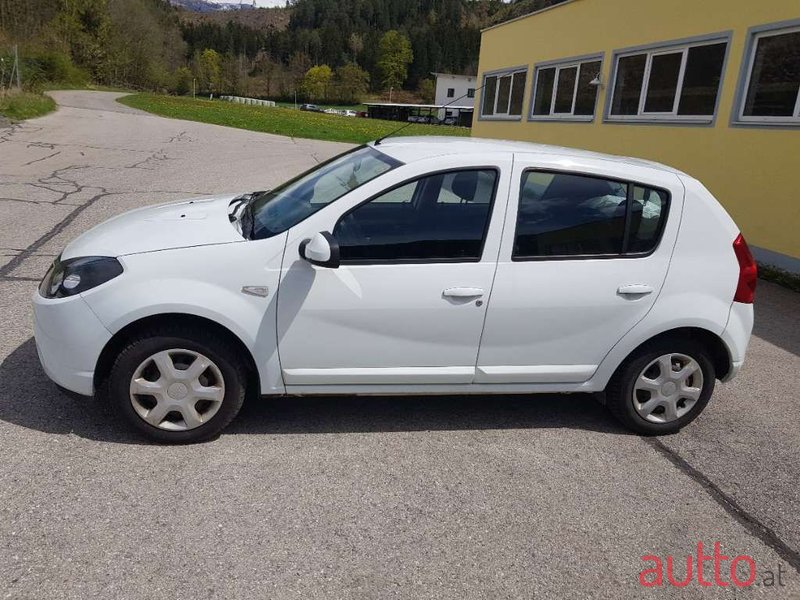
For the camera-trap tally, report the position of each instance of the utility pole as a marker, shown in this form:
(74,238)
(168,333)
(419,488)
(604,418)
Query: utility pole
(16,64)
(194,87)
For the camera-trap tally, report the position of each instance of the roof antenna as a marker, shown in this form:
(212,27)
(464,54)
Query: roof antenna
(399,129)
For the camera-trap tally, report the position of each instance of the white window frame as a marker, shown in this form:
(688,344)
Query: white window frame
(750,57)
(499,75)
(660,50)
(559,66)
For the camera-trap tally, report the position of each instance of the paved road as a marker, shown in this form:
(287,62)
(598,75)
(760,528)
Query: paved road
(352,498)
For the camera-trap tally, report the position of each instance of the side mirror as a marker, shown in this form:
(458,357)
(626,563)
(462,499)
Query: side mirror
(321,250)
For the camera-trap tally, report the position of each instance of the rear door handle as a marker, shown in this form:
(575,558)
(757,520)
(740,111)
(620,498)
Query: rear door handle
(635,289)
(462,292)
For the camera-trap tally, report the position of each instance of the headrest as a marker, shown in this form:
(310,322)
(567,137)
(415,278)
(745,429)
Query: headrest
(465,184)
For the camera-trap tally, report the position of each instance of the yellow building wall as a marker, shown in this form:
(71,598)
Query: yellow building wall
(754,173)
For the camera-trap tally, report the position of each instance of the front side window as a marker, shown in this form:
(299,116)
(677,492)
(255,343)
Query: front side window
(773,78)
(566,90)
(287,205)
(440,217)
(503,94)
(569,215)
(680,83)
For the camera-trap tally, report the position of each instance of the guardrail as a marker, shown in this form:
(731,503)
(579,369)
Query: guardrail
(250,101)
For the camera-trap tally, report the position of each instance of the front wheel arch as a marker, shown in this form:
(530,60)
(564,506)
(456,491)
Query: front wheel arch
(120,339)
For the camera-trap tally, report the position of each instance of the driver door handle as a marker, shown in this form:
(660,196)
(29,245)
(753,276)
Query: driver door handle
(635,289)
(462,292)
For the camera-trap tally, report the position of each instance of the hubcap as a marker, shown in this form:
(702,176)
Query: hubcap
(668,388)
(177,390)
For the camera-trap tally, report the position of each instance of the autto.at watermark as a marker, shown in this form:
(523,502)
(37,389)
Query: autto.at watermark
(709,568)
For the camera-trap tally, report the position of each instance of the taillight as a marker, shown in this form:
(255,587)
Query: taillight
(748,272)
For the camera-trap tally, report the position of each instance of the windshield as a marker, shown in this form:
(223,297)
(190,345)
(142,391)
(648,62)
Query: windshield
(276,211)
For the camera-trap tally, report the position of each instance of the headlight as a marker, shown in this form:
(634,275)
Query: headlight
(76,275)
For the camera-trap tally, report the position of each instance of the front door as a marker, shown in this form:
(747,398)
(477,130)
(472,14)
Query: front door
(408,302)
(585,254)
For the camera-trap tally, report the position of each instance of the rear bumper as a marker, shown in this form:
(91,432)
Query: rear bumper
(737,336)
(69,340)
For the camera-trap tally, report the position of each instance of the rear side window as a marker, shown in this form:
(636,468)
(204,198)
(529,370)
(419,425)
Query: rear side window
(441,217)
(647,215)
(565,215)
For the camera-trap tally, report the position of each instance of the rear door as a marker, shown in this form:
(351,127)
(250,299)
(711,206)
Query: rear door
(585,253)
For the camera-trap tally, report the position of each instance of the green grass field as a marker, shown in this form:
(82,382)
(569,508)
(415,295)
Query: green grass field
(280,121)
(24,105)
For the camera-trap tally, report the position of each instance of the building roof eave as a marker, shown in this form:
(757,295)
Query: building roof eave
(529,15)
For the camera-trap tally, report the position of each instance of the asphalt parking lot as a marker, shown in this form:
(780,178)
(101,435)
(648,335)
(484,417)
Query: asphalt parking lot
(510,497)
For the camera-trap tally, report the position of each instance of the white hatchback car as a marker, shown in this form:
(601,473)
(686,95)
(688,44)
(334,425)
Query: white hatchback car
(409,266)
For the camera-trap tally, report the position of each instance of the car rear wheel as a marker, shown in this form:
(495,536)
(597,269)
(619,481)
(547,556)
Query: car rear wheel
(177,385)
(662,387)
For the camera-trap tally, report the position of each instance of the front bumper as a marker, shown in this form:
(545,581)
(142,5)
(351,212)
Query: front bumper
(69,340)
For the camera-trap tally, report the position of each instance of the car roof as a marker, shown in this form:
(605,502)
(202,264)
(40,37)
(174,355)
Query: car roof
(412,149)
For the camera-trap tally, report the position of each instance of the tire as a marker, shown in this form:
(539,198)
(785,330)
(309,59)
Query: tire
(630,399)
(189,417)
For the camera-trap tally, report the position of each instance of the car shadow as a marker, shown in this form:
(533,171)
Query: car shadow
(29,399)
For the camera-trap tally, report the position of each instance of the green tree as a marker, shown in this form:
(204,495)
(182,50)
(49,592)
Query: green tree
(183,81)
(316,82)
(394,56)
(427,91)
(85,28)
(209,70)
(352,82)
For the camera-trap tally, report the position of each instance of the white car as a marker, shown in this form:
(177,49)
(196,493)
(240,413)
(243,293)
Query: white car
(409,266)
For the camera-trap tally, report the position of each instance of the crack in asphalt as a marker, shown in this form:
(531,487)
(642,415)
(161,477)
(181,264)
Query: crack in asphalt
(41,159)
(750,522)
(12,278)
(17,261)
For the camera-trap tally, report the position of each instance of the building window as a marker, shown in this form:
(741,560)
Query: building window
(772,79)
(451,92)
(470,92)
(565,91)
(676,83)
(503,94)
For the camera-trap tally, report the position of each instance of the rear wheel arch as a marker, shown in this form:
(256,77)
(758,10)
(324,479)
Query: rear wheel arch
(717,350)
(175,320)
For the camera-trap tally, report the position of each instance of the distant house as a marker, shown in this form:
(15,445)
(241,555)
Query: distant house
(451,87)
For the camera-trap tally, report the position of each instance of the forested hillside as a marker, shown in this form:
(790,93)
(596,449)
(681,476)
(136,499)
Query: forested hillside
(323,50)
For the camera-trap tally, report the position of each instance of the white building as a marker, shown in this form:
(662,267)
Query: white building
(451,87)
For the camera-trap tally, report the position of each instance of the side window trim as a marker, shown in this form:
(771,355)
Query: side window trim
(630,187)
(411,261)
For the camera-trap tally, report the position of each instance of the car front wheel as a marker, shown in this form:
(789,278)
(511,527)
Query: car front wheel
(176,385)
(662,387)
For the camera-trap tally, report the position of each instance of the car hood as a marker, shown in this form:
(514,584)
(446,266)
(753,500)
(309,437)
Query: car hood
(195,222)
